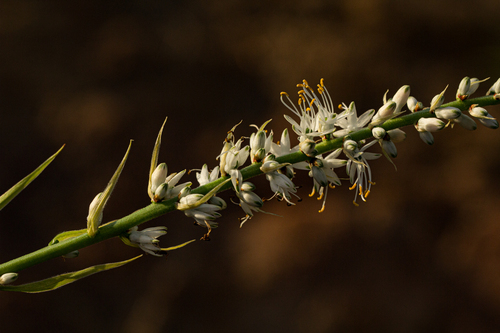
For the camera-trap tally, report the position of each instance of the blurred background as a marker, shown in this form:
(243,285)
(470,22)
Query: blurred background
(421,255)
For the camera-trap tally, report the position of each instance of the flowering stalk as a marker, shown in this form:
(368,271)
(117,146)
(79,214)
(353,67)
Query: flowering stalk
(157,209)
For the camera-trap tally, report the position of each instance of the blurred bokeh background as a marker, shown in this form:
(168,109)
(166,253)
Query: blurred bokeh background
(421,255)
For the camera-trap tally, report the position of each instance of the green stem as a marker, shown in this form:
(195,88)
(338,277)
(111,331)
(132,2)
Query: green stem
(153,211)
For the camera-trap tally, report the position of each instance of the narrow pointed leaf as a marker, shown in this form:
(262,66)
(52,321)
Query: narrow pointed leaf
(67,235)
(154,157)
(64,279)
(203,199)
(21,185)
(93,221)
(178,246)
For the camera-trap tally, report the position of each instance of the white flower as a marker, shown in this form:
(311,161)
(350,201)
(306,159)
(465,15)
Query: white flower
(282,186)
(321,170)
(358,168)
(169,188)
(204,176)
(249,201)
(236,157)
(147,239)
(316,114)
(350,122)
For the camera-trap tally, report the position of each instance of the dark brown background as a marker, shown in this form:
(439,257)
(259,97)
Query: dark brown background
(422,255)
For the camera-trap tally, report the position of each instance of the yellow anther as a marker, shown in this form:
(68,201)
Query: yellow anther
(360,190)
(331,186)
(366,193)
(283,93)
(321,196)
(305,83)
(300,85)
(340,106)
(353,187)
(312,102)
(320,89)
(322,82)
(312,193)
(322,209)
(355,204)
(373,183)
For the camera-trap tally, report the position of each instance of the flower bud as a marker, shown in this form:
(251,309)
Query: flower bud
(494,89)
(259,155)
(158,176)
(438,100)
(378,133)
(8,278)
(412,103)
(350,145)
(308,147)
(401,97)
(397,135)
(427,137)
(463,88)
(466,122)
(218,202)
(257,140)
(430,125)
(474,84)
(247,186)
(384,113)
(190,200)
(319,176)
(479,112)
(252,199)
(389,147)
(160,193)
(448,113)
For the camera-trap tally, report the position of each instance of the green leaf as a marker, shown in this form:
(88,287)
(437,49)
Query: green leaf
(67,235)
(64,279)
(203,199)
(21,185)
(93,220)
(178,246)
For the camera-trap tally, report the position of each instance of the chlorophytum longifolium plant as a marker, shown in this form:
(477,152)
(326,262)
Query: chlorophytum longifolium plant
(321,142)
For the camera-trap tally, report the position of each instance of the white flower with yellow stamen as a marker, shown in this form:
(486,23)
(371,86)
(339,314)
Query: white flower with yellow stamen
(358,169)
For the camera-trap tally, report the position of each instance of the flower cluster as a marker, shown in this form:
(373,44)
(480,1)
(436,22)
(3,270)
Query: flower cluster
(327,141)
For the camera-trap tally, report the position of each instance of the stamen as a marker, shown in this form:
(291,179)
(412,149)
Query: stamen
(366,193)
(331,186)
(353,186)
(321,196)
(355,204)
(312,193)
